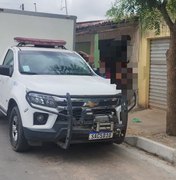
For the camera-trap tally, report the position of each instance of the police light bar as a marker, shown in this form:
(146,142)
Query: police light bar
(40,42)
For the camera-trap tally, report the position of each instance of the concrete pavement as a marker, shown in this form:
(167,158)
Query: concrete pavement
(147,131)
(152,125)
(80,162)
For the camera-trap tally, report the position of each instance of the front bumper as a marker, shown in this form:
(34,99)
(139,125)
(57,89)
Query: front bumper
(66,132)
(59,133)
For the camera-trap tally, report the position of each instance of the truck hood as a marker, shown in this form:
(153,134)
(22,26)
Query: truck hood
(75,85)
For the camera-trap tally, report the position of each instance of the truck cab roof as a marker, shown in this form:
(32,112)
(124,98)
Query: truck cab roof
(32,48)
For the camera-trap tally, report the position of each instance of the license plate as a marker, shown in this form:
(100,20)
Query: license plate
(100,135)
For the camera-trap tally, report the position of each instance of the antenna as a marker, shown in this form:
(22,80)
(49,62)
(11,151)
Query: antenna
(64,7)
(35,6)
(22,7)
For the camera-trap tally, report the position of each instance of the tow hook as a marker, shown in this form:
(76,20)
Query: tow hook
(118,132)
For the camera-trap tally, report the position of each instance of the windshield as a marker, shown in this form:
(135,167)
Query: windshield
(52,63)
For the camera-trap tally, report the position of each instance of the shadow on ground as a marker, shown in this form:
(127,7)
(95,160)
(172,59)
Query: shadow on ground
(50,152)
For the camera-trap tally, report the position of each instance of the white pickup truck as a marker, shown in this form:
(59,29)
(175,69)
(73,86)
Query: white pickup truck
(51,94)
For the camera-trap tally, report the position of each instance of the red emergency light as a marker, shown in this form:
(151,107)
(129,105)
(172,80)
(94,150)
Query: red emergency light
(40,42)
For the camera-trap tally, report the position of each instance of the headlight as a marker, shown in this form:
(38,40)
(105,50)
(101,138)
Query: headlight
(41,99)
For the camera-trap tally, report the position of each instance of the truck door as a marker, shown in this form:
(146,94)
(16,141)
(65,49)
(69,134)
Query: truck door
(5,81)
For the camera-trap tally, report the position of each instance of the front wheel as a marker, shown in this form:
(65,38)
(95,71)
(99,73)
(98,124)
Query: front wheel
(17,139)
(1,114)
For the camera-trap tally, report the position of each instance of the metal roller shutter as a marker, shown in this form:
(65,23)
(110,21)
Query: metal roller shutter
(158,74)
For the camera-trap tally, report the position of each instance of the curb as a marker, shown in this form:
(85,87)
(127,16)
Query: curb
(164,152)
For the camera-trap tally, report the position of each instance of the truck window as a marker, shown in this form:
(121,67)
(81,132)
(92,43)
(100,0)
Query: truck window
(52,63)
(8,61)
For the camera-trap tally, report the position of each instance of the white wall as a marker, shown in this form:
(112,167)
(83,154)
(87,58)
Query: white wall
(20,25)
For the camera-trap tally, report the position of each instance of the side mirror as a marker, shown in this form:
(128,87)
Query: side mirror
(5,70)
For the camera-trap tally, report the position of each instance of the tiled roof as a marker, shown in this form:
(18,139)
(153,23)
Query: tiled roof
(87,24)
(101,24)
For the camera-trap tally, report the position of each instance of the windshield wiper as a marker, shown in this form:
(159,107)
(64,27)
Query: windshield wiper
(30,73)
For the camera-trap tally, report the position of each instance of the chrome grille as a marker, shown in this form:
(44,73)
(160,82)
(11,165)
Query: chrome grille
(91,102)
(83,114)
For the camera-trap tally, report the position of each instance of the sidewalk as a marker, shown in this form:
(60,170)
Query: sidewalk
(150,124)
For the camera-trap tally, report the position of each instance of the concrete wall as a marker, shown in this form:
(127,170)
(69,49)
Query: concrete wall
(133,54)
(85,38)
(83,46)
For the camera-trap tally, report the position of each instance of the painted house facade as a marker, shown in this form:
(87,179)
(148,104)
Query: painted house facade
(152,69)
(109,43)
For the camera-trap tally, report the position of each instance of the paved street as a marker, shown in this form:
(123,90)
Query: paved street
(80,162)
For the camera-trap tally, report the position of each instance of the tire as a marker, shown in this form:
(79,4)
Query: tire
(120,140)
(1,115)
(17,139)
